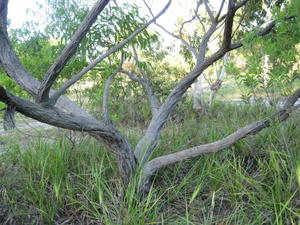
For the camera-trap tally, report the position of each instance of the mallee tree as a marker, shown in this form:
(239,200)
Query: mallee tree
(51,107)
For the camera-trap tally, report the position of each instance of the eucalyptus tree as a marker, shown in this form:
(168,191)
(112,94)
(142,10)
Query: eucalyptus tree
(50,106)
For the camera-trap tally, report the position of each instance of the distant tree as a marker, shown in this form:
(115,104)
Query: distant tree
(52,107)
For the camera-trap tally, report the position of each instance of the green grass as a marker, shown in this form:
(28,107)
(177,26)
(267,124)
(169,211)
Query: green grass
(255,181)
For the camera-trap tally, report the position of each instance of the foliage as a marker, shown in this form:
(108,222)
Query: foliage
(278,76)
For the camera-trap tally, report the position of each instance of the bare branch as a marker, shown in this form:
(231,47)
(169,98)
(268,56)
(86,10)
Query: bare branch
(149,91)
(114,49)
(201,22)
(131,75)
(190,48)
(239,24)
(204,42)
(146,145)
(69,50)
(155,104)
(209,12)
(220,10)
(105,111)
(3,16)
(235,8)
(228,25)
(250,129)
(190,20)
(16,71)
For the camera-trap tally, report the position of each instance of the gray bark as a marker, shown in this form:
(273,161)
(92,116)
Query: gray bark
(66,114)
(8,119)
(220,77)
(107,134)
(149,92)
(114,49)
(152,166)
(105,110)
(146,145)
(69,50)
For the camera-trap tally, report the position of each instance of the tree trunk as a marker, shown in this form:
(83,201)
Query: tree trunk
(197,92)
(220,77)
(126,160)
(8,120)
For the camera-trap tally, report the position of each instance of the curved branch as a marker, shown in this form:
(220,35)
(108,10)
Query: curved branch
(16,71)
(149,91)
(105,111)
(107,134)
(114,49)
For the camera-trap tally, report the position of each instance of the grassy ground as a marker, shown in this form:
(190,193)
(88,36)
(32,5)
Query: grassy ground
(73,180)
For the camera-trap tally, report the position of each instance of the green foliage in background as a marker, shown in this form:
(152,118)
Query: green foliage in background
(282,47)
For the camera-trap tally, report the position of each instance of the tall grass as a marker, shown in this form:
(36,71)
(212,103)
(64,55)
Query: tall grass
(255,181)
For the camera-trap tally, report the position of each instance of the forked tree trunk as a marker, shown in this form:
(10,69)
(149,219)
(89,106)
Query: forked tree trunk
(68,115)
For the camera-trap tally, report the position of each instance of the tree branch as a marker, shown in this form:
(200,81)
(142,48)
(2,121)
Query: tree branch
(190,20)
(9,117)
(220,10)
(251,129)
(228,24)
(69,50)
(155,104)
(107,134)
(3,16)
(264,31)
(179,37)
(149,92)
(105,111)
(16,71)
(114,49)
(146,145)
(209,12)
